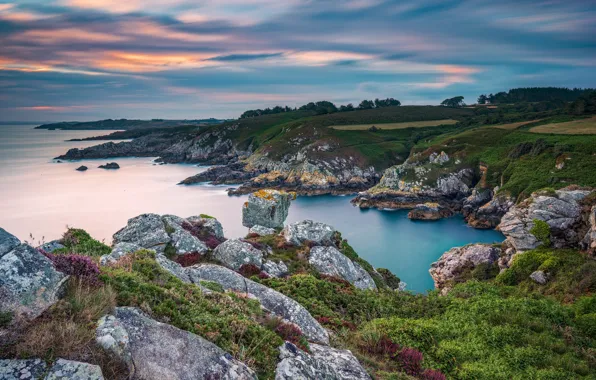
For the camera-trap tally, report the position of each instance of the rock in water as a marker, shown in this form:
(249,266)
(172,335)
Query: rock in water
(429,211)
(309,231)
(267,208)
(110,165)
(330,261)
(29,284)
(82,168)
(453,263)
(156,351)
(68,369)
(234,253)
(8,242)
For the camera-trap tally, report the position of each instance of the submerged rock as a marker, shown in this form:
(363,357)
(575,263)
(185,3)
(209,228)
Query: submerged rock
(234,253)
(330,261)
(110,165)
(268,208)
(156,351)
(82,168)
(429,211)
(309,231)
(8,242)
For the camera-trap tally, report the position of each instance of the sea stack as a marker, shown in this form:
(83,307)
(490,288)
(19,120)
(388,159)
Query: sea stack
(267,208)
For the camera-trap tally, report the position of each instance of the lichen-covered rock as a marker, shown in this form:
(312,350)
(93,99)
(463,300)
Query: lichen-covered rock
(181,239)
(8,242)
(118,251)
(268,208)
(275,269)
(51,246)
(173,267)
(489,214)
(589,240)
(155,350)
(29,284)
(560,210)
(72,370)
(456,261)
(146,230)
(429,211)
(270,299)
(261,230)
(309,231)
(234,253)
(29,369)
(539,277)
(330,261)
(439,159)
(478,198)
(324,363)
(209,223)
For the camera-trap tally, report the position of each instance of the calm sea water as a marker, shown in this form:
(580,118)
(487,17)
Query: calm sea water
(41,197)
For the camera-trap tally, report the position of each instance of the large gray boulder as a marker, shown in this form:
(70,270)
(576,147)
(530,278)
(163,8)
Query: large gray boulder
(330,261)
(72,370)
(267,208)
(29,284)
(234,253)
(146,230)
(561,211)
(8,242)
(309,231)
(454,262)
(155,351)
(208,222)
(270,299)
(181,239)
(261,230)
(324,362)
(119,250)
(51,246)
(29,369)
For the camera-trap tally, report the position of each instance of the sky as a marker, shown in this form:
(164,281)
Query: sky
(187,59)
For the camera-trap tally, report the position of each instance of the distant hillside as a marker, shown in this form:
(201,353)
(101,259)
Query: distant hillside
(126,124)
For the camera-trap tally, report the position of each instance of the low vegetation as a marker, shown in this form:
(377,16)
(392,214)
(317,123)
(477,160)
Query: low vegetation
(412,124)
(585,126)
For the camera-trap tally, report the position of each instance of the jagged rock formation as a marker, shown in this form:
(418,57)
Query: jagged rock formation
(330,261)
(308,231)
(29,284)
(235,253)
(232,174)
(268,208)
(489,214)
(154,350)
(429,211)
(454,263)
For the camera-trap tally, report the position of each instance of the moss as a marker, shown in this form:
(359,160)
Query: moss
(541,230)
(169,229)
(212,286)
(205,216)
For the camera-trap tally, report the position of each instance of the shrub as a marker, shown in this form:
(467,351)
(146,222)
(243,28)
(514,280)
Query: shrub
(189,259)
(78,241)
(292,333)
(198,230)
(82,267)
(410,361)
(390,279)
(249,270)
(432,374)
(541,230)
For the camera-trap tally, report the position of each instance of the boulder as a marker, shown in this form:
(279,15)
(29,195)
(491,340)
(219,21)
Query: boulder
(589,240)
(8,242)
(429,211)
(234,253)
(324,363)
(82,168)
(118,251)
(209,223)
(560,210)
(539,277)
(181,239)
(261,230)
(457,260)
(330,261)
(309,231)
(71,370)
(29,283)
(29,369)
(173,267)
(273,301)
(275,269)
(110,165)
(268,208)
(489,214)
(438,159)
(155,351)
(51,246)
(146,230)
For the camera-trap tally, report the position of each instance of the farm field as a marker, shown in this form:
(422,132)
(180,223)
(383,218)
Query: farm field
(511,126)
(575,127)
(409,124)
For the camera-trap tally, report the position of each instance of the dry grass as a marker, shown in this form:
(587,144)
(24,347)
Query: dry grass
(409,124)
(511,126)
(575,127)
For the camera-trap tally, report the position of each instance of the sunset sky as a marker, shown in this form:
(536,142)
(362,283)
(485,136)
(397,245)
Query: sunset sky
(93,59)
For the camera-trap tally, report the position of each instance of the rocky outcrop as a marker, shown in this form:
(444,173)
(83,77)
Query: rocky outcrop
(232,174)
(323,363)
(270,299)
(37,369)
(154,350)
(110,165)
(589,240)
(51,246)
(234,253)
(275,268)
(8,242)
(478,198)
(119,250)
(455,262)
(146,230)
(268,208)
(29,369)
(308,231)
(29,284)
(560,210)
(261,230)
(81,168)
(429,211)
(489,214)
(330,261)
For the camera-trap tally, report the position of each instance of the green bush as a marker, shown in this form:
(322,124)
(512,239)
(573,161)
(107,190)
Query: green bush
(541,230)
(78,241)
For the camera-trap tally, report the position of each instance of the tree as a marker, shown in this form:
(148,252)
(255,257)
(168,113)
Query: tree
(457,101)
(482,99)
(366,105)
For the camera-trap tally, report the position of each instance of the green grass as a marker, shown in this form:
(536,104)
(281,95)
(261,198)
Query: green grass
(78,241)
(403,125)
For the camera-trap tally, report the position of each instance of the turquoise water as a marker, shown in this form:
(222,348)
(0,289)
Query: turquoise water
(41,197)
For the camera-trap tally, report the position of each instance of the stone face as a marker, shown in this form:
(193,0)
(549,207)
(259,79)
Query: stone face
(30,369)
(234,253)
(146,230)
(561,211)
(155,350)
(270,299)
(267,208)
(8,242)
(309,231)
(261,230)
(324,363)
(71,370)
(330,261)
(539,277)
(29,284)
(453,262)
(438,159)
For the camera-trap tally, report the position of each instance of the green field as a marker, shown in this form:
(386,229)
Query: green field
(410,124)
(576,127)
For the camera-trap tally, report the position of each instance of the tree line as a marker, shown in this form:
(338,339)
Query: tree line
(324,107)
(534,94)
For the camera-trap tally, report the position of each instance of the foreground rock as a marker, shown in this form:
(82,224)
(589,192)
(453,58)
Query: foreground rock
(450,267)
(330,261)
(324,363)
(560,210)
(22,369)
(271,300)
(155,351)
(308,231)
(35,369)
(234,253)
(8,242)
(29,284)
(429,211)
(110,165)
(261,231)
(268,208)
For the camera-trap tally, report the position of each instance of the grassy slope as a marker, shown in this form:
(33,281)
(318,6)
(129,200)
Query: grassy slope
(584,126)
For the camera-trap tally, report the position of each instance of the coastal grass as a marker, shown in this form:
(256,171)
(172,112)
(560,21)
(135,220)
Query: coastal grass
(586,126)
(411,124)
(516,125)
